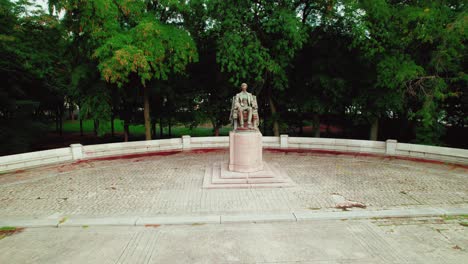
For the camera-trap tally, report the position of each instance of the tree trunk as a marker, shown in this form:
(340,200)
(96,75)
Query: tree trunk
(160,127)
(96,124)
(170,126)
(126,131)
(57,119)
(61,114)
(112,124)
(316,124)
(61,123)
(153,128)
(70,111)
(275,119)
(61,120)
(215,127)
(147,113)
(374,129)
(81,127)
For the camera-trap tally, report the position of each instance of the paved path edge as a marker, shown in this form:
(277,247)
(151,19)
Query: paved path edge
(295,216)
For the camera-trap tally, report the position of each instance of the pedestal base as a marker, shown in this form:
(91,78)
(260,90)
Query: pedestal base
(245,151)
(218,176)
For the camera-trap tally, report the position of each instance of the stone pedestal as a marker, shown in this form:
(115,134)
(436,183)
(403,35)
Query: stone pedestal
(245,168)
(245,151)
(218,176)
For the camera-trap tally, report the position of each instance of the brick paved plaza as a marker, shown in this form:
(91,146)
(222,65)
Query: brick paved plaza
(154,209)
(171,183)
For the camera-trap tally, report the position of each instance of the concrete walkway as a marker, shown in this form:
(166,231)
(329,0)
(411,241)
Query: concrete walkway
(395,240)
(311,215)
(154,210)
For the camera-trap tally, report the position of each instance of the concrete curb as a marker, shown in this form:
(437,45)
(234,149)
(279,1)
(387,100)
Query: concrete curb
(178,220)
(258,218)
(228,218)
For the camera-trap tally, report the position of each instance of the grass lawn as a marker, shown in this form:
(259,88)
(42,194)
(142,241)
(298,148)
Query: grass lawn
(73,126)
(9,230)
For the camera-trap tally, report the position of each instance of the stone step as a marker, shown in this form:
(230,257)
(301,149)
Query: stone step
(277,178)
(227,174)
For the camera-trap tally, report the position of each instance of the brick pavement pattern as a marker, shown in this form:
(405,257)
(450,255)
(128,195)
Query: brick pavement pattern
(172,184)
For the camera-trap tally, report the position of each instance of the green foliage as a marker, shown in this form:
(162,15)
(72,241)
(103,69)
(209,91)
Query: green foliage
(417,48)
(395,72)
(151,50)
(33,70)
(358,60)
(123,41)
(256,39)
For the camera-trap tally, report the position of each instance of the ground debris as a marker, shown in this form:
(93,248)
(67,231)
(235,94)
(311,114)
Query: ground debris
(349,204)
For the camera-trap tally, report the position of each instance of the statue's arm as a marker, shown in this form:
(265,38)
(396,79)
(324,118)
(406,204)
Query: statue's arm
(233,116)
(236,102)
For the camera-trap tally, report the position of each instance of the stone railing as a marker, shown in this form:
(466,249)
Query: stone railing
(79,152)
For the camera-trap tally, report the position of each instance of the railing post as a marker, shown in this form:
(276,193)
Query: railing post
(185,142)
(283,141)
(390,146)
(76,151)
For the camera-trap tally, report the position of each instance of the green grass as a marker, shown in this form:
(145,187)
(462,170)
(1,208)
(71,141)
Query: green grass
(9,231)
(455,217)
(461,219)
(70,126)
(7,228)
(63,220)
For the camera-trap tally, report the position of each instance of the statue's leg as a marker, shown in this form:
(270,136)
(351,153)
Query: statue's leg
(249,120)
(240,116)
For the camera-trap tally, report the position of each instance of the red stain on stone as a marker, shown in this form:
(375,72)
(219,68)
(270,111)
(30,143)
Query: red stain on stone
(66,167)
(423,160)
(321,151)
(131,156)
(19,171)
(152,225)
(207,150)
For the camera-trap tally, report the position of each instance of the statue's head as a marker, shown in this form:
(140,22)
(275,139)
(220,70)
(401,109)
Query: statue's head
(244,87)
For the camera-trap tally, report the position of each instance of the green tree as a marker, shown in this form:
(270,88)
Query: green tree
(256,42)
(34,70)
(131,45)
(325,71)
(148,51)
(417,47)
(211,89)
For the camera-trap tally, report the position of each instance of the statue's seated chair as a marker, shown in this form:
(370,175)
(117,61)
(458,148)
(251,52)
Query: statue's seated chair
(245,115)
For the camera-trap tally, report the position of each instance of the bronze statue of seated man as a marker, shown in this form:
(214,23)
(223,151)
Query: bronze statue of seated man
(244,102)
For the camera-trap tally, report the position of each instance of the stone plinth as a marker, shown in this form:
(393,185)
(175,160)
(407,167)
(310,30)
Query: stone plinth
(217,176)
(245,151)
(245,168)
